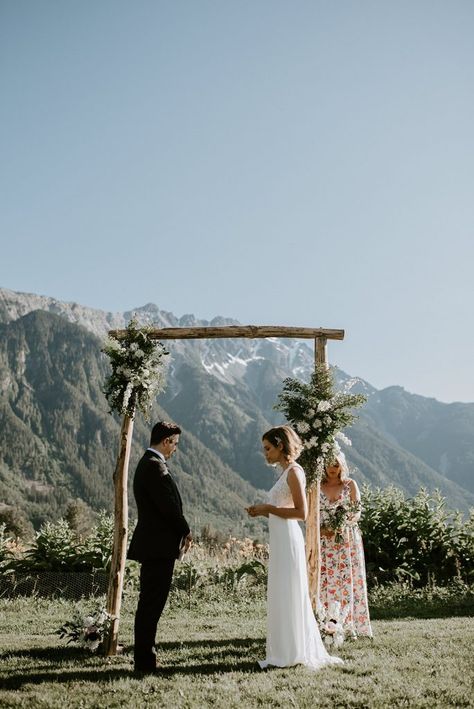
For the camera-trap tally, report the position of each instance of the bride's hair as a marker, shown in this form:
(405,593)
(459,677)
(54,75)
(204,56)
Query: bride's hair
(291,442)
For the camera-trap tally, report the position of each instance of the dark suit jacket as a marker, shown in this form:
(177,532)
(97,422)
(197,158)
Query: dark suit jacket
(161,525)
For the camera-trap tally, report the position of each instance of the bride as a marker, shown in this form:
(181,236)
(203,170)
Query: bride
(292,632)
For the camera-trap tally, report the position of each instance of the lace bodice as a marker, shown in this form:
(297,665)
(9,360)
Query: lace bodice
(280,494)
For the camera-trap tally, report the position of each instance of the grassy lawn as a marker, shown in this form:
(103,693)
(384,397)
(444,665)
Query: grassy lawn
(209,653)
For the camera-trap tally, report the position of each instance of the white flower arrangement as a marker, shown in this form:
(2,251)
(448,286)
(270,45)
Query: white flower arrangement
(318,414)
(88,631)
(331,623)
(137,370)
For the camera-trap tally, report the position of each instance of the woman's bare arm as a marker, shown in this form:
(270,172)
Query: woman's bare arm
(300,509)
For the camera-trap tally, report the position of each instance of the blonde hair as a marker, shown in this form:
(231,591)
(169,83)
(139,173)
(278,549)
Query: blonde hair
(344,468)
(291,442)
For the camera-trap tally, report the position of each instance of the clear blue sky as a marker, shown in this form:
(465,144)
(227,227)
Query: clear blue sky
(278,162)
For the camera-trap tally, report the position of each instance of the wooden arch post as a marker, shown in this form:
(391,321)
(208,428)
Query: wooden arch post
(313,539)
(119,545)
(119,549)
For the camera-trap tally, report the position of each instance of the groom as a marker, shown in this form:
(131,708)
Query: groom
(161,533)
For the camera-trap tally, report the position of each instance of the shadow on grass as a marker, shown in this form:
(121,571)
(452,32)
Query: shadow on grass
(209,654)
(48,654)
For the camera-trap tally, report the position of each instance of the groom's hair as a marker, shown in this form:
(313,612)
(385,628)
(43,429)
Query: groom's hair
(162,430)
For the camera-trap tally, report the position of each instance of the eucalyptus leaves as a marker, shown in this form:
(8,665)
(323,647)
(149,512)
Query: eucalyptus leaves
(137,370)
(318,414)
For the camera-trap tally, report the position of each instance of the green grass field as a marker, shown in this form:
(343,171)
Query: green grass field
(209,654)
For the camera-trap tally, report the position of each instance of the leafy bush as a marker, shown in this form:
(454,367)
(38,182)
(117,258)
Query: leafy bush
(252,572)
(97,547)
(57,548)
(415,540)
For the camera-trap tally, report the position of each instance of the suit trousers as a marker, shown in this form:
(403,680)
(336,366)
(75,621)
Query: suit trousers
(155,583)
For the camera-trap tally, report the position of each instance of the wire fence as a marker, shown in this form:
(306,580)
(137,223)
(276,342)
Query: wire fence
(71,585)
(189,578)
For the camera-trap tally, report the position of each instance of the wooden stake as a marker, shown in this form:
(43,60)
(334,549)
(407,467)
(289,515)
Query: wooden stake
(312,542)
(119,547)
(313,539)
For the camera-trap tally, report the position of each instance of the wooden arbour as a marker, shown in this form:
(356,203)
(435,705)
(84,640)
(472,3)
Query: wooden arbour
(119,549)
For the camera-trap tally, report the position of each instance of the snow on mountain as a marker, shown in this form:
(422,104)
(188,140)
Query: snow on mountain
(226,359)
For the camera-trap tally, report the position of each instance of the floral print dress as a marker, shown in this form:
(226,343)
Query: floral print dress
(343,569)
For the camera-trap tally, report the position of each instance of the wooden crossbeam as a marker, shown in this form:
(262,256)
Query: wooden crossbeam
(244,331)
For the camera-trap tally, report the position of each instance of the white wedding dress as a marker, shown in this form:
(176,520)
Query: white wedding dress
(292,632)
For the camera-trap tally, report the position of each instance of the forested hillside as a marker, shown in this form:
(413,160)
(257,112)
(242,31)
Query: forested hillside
(59,443)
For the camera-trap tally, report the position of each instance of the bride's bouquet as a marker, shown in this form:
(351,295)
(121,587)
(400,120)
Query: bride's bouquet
(338,518)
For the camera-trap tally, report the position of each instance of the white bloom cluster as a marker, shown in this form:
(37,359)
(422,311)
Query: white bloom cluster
(88,631)
(302,427)
(332,622)
(319,431)
(137,371)
(316,431)
(343,438)
(318,415)
(93,630)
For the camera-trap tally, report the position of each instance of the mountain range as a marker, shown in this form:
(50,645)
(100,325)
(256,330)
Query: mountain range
(58,443)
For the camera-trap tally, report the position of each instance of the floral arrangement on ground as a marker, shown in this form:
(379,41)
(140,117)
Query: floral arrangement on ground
(318,413)
(89,631)
(138,370)
(331,623)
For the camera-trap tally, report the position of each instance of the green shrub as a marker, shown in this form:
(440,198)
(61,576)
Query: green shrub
(57,547)
(415,540)
(97,546)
